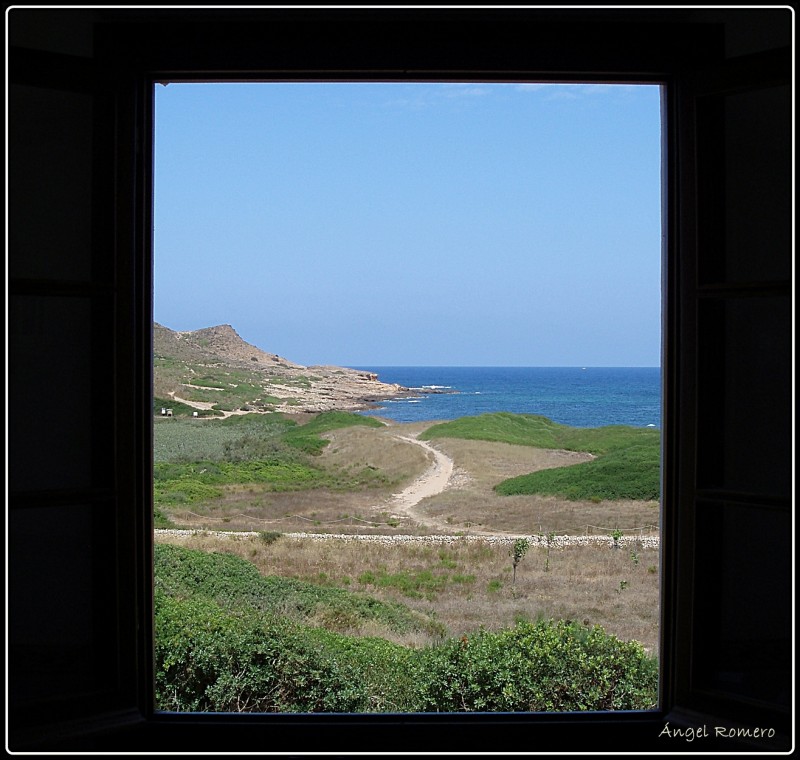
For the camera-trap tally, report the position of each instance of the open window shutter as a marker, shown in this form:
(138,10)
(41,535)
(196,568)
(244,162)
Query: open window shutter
(732,599)
(72,649)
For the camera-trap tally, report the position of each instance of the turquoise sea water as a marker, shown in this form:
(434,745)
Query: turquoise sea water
(577,396)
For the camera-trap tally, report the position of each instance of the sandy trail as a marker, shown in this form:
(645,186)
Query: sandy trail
(433,481)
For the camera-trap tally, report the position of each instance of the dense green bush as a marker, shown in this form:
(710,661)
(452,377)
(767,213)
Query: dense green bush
(228,639)
(188,482)
(210,660)
(161,521)
(537,667)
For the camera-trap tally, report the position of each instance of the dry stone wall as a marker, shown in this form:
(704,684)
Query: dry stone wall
(558,542)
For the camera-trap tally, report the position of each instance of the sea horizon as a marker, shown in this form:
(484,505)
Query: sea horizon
(579,396)
(367,367)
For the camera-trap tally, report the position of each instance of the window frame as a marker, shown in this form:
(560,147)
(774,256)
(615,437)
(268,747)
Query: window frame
(677,254)
(133,50)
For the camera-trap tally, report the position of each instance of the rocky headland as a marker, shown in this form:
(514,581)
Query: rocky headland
(215,370)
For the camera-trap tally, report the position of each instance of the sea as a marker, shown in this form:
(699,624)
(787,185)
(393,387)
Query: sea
(576,396)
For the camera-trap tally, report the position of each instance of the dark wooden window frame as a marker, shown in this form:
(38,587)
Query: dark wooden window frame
(137,49)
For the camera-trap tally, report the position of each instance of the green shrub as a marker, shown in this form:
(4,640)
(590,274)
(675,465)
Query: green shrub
(228,639)
(160,520)
(210,660)
(187,440)
(236,584)
(536,667)
(183,491)
(255,447)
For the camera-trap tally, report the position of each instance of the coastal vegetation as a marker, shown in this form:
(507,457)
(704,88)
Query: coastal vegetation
(199,461)
(195,460)
(234,583)
(627,463)
(222,388)
(631,472)
(535,430)
(230,639)
(271,622)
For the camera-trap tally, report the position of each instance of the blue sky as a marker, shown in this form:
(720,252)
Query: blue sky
(413,224)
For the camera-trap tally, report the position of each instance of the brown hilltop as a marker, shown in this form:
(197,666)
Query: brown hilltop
(214,368)
(220,343)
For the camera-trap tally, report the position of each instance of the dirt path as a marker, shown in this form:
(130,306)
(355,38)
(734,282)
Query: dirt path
(437,478)
(432,482)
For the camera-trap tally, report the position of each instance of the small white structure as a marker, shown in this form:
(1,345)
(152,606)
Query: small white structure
(194,414)
(169,412)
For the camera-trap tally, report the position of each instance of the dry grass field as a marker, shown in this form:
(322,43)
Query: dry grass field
(468,505)
(465,583)
(471,503)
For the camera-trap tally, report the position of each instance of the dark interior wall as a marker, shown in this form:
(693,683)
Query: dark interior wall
(49,340)
(72,555)
(78,303)
(53,30)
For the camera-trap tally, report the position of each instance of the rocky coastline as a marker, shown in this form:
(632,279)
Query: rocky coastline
(215,369)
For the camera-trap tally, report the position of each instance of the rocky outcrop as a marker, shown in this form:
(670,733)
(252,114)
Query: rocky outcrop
(223,342)
(251,379)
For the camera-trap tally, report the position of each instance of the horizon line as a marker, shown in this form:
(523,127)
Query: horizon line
(366,365)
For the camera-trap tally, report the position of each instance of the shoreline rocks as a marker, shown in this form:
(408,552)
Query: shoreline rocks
(181,358)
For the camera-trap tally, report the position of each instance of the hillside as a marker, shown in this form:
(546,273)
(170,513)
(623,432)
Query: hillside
(215,371)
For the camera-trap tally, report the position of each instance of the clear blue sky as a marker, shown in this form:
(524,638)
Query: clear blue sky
(413,224)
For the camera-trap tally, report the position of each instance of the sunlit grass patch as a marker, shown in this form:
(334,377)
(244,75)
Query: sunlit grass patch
(626,473)
(627,463)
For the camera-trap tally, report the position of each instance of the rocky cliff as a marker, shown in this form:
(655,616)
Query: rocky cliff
(215,369)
